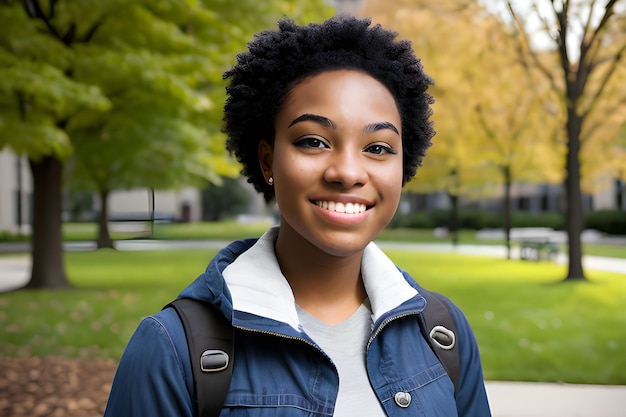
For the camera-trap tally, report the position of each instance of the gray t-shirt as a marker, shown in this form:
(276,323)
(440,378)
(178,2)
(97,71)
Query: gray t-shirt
(345,344)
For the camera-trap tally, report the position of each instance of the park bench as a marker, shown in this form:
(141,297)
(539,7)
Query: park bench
(537,251)
(536,243)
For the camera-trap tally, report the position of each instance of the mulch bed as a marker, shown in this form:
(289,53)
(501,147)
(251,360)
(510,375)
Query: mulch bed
(53,386)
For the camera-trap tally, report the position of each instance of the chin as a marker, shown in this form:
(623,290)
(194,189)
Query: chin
(343,247)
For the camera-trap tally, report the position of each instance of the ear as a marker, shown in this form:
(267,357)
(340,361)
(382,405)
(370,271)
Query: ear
(266,156)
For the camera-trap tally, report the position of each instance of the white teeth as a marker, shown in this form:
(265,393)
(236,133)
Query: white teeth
(348,208)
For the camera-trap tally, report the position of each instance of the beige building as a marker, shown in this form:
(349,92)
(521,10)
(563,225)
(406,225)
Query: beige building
(183,205)
(16,199)
(15,193)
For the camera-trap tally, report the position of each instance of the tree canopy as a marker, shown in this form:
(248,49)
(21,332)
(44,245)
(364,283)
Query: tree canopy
(492,127)
(532,90)
(131,90)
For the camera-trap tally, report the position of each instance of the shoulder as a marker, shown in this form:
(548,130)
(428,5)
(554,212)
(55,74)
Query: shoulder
(159,344)
(156,353)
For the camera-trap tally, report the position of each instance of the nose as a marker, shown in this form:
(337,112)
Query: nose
(347,168)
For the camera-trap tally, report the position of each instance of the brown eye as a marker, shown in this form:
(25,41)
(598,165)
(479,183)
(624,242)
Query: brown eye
(380,150)
(311,142)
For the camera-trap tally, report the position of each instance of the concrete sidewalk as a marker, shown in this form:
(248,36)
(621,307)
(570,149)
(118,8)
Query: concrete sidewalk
(14,272)
(535,399)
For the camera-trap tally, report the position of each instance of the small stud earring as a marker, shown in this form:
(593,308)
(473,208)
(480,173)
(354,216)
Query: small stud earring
(270,180)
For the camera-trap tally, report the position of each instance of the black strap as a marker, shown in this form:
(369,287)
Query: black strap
(212,369)
(439,329)
(206,327)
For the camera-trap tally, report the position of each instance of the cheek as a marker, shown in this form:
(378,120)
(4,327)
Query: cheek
(292,174)
(391,179)
(395,193)
(392,190)
(290,167)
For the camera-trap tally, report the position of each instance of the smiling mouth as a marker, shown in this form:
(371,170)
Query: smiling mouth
(339,207)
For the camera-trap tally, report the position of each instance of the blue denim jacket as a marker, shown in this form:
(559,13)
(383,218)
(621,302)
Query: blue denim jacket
(279,371)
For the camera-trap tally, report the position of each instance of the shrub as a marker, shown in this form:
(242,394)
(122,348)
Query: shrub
(476,219)
(224,201)
(6,236)
(556,221)
(418,220)
(607,221)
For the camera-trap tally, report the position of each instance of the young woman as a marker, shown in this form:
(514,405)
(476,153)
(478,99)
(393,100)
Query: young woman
(331,120)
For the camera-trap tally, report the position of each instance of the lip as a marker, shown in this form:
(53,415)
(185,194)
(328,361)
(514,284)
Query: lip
(339,207)
(343,218)
(345,200)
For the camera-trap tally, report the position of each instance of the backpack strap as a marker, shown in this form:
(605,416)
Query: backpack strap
(212,369)
(211,351)
(439,330)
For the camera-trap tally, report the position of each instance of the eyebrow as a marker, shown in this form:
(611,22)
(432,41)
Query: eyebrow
(326,122)
(374,127)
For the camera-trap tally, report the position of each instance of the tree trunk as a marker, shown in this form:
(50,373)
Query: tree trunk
(454,218)
(48,270)
(574,196)
(506,221)
(104,237)
(152,202)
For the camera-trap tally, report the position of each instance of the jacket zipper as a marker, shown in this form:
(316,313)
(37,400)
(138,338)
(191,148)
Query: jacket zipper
(319,349)
(386,322)
(284,336)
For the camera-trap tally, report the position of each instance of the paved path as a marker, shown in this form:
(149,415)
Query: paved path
(508,399)
(595,263)
(14,272)
(533,399)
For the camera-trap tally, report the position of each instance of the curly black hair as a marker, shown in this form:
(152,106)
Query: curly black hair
(277,60)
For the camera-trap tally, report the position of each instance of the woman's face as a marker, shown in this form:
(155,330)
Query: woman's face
(336,161)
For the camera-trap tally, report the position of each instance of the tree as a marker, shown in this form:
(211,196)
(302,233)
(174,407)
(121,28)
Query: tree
(433,27)
(516,114)
(589,39)
(37,101)
(486,135)
(62,87)
(163,130)
(160,129)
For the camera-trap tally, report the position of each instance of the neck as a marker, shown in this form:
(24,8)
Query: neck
(326,286)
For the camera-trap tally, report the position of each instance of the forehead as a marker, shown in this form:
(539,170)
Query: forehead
(347,94)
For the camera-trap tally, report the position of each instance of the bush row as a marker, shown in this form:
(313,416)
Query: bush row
(606,221)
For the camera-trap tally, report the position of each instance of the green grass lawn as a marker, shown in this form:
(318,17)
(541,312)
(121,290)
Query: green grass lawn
(113,290)
(230,230)
(529,326)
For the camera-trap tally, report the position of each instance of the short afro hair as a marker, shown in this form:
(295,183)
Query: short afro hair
(277,60)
